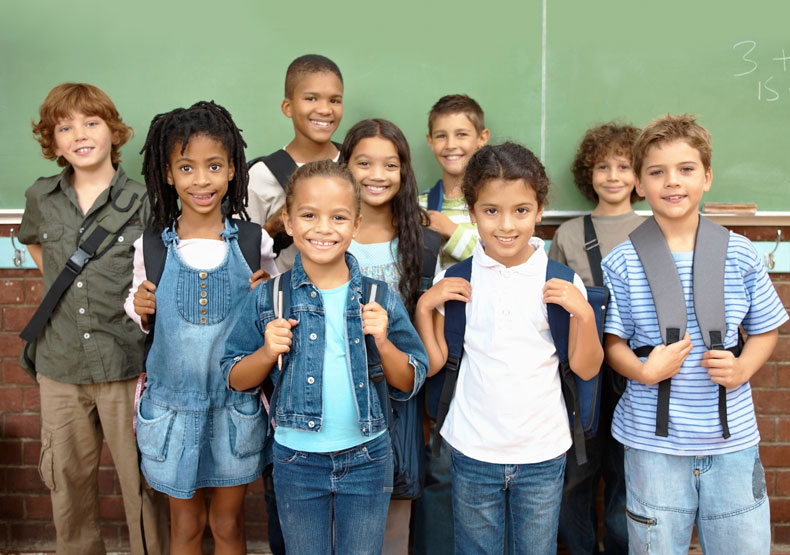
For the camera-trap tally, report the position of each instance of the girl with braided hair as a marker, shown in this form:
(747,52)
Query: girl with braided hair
(193,432)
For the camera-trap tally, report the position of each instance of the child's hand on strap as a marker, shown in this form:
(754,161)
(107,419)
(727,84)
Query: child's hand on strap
(568,296)
(724,369)
(145,302)
(258,277)
(446,289)
(665,361)
(441,224)
(277,338)
(375,321)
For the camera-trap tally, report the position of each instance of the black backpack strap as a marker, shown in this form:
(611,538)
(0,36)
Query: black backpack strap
(431,247)
(593,250)
(282,167)
(249,239)
(281,289)
(376,290)
(86,251)
(154,255)
(280,164)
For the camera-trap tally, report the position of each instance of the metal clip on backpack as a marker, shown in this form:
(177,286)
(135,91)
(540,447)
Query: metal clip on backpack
(710,254)
(582,397)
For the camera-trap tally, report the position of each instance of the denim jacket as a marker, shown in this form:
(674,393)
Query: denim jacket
(299,399)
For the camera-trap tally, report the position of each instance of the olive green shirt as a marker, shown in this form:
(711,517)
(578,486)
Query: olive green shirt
(89,338)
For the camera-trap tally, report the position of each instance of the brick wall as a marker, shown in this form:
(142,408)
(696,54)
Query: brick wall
(25,511)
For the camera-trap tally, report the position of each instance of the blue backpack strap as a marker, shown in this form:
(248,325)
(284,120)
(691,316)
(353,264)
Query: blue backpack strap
(271,387)
(436,196)
(559,325)
(441,387)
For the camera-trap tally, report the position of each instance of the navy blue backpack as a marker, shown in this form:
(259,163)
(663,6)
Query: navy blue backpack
(582,397)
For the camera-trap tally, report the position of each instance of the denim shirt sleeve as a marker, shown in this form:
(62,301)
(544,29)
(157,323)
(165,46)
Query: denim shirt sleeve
(402,334)
(247,334)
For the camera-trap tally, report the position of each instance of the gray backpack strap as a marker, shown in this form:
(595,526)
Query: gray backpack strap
(664,281)
(663,278)
(710,254)
(710,251)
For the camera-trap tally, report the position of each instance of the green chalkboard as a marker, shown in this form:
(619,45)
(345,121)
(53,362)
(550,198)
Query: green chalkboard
(543,70)
(720,60)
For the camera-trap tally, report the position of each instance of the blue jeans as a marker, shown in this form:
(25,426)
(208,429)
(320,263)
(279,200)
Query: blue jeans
(486,496)
(724,494)
(334,502)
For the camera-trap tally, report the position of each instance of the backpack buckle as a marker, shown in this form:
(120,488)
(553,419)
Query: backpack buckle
(591,244)
(78,260)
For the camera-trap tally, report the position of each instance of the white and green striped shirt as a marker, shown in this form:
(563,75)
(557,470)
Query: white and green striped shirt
(462,242)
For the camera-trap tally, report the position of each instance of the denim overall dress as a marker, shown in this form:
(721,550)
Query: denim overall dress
(192,430)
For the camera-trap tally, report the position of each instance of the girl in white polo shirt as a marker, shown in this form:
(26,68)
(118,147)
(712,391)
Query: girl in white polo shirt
(507,423)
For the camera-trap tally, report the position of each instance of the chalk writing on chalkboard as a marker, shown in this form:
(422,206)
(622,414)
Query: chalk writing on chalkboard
(768,88)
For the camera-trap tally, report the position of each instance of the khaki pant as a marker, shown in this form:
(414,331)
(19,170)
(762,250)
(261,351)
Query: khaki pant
(74,419)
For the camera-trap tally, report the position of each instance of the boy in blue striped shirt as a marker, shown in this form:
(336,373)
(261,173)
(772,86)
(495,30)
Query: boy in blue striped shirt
(695,473)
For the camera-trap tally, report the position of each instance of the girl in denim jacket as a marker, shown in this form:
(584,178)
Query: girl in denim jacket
(192,432)
(332,454)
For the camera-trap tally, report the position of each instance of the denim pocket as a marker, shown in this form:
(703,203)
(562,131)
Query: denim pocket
(247,431)
(154,423)
(758,479)
(46,461)
(644,520)
(376,450)
(285,455)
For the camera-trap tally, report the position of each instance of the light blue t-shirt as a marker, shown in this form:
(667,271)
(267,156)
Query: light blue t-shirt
(340,422)
(378,261)
(750,300)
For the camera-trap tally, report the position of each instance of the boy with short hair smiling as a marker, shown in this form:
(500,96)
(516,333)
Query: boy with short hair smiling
(709,456)
(88,356)
(314,103)
(456,130)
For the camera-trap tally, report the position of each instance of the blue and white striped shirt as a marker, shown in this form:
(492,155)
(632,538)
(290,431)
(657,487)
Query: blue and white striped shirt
(694,425)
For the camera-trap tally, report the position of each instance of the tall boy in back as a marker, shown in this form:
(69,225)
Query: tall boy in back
(714,475)
(314,103)
(456,130)
(603,173)
(88,356)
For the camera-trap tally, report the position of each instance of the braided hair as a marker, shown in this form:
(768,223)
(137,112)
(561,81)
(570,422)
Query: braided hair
(408,218)
(176,127)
